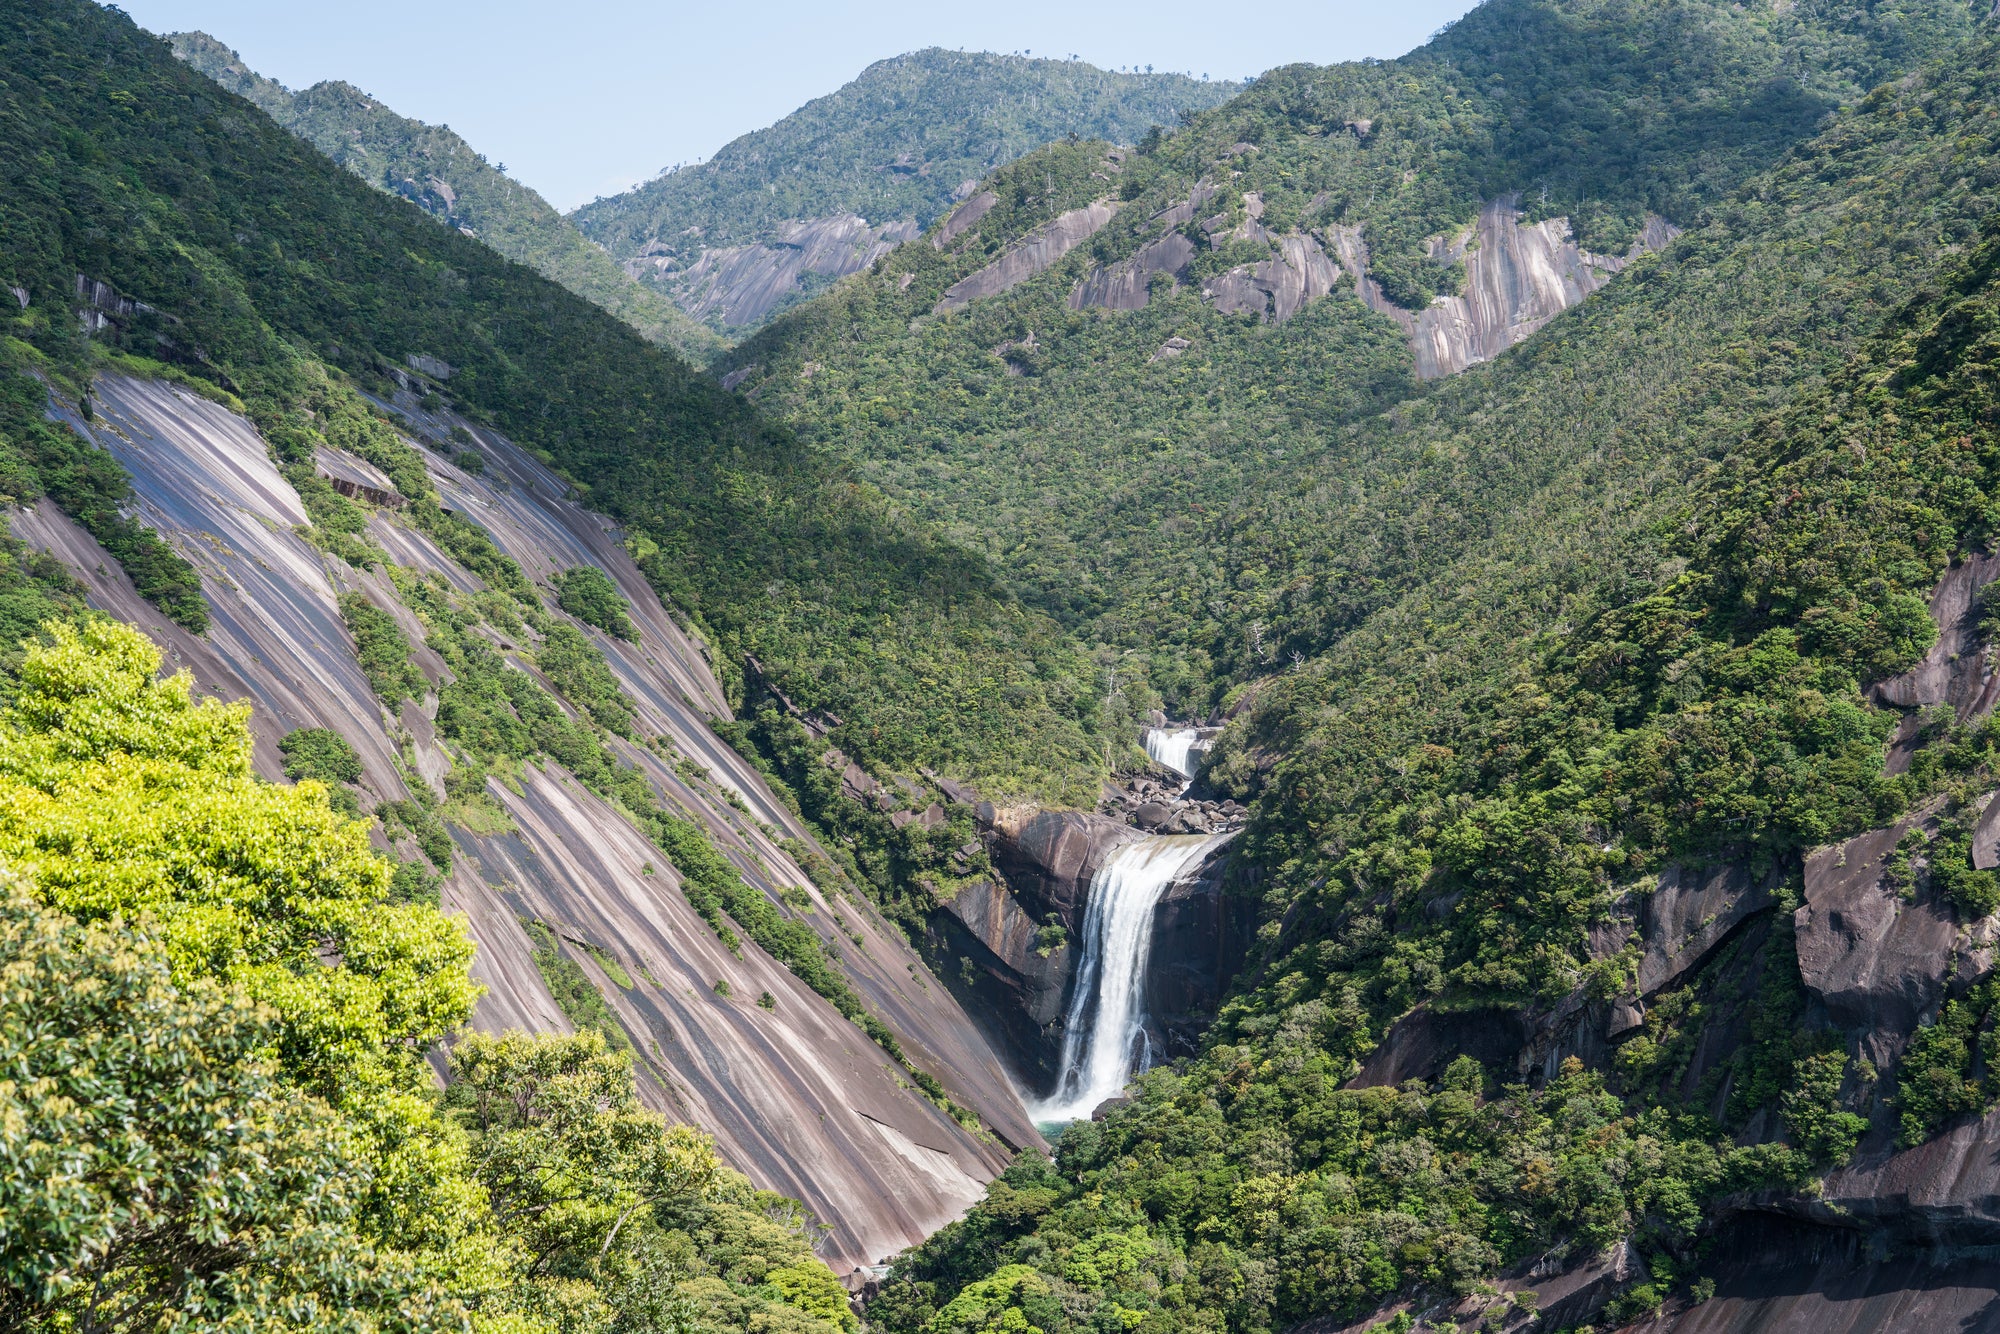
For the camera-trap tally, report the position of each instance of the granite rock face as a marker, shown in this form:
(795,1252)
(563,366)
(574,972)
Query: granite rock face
(1957,672)
(1275,289)
(1518,277)
(1016,975)
(1201,933)
(1032,254)
(1124,285)
(1045,861)
(741,286)
(1882,957)
(1424,1041)
(963,218)
(797,1097)
(1689,913)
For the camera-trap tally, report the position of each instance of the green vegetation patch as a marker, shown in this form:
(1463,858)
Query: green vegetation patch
(588,594)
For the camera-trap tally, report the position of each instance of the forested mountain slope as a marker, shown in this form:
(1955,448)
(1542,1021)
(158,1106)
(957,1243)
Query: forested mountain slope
(785,210)
(251,259)
(1083,399)
(443,175)
(1617,720)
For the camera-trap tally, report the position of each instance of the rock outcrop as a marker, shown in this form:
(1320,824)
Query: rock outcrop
(1883,950)
(1017,978)
(1032,254)
(740,286)
(796,1096)
(1518,277)
(1275,289)
(1957,671)
(1201,933)
(1125,285)
(1013,937)
(963,218)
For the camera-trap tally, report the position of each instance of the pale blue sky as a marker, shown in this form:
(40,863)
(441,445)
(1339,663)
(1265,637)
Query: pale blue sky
(588,97)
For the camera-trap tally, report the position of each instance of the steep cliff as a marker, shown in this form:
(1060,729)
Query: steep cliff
(797,1096)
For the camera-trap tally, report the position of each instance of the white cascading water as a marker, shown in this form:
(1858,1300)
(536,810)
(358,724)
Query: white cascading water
(1098,1061)
(1174,748)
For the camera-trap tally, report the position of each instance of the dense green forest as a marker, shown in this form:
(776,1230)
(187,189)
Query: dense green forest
(443,175)
(896,143)
(263,269)
(1101,477)
(1497,659)
(1494,652)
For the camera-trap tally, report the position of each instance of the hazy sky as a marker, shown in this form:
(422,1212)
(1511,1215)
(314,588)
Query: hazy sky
(587,97)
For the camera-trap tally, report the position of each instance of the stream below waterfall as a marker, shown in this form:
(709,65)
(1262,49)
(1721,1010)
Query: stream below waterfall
(1104,1032)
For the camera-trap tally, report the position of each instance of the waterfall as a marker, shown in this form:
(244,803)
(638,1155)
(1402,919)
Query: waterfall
(1099,1060)
(1175,749)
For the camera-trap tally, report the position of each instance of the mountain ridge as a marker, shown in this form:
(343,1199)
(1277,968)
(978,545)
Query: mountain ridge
(440,173)
(881,155)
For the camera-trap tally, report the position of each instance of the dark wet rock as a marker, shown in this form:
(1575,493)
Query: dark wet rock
(1201,932)
(1956,671)
(1691,912)
(1018,992)
(1049,857)
(1424,1041)
(1569,1290)
(1776,1277)
(1045,861)
(1882,962)
(1945,1191)
(1152,815)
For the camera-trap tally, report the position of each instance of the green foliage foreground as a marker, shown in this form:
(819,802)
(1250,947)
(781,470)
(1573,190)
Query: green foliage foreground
(217,1110)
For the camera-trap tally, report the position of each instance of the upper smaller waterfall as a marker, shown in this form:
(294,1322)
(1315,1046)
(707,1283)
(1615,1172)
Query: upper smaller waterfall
(1102,1048)
(1175,748)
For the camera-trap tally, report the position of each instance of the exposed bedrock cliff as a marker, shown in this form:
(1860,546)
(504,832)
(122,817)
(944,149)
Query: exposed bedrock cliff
(1032,254)
(741,286)
(1013,938)
(796,1096)
(1201,932)
(1518,276)
(1017,972)
(1896,1238)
